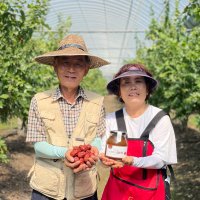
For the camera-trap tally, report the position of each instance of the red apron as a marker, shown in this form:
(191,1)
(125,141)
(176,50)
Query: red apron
(132,183)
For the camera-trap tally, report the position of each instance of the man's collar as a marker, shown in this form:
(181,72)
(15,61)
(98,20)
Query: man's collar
(57,95)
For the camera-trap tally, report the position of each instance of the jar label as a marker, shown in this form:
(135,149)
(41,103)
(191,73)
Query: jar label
(116,151)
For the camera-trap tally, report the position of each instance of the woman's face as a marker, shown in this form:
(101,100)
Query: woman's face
(133,90)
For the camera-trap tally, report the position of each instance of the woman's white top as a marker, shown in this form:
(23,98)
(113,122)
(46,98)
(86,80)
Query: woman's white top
(162,137)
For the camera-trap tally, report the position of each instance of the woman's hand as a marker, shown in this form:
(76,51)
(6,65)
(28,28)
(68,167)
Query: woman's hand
(128,160)
(117,164)
(105,160)
(110,162)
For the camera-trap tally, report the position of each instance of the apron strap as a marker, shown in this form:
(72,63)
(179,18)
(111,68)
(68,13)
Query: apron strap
(152,124)
(120,120)
(145,135)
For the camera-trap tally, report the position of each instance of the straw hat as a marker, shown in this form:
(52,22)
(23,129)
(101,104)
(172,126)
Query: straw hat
(71,45)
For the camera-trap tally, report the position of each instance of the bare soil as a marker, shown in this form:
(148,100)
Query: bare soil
(14,184)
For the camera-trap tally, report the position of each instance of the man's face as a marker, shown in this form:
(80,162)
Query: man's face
(70,70)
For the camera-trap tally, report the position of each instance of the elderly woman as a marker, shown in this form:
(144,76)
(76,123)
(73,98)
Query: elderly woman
(141,174)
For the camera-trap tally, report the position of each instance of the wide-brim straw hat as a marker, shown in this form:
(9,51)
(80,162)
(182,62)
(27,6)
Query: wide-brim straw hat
(113,85)
(72,45)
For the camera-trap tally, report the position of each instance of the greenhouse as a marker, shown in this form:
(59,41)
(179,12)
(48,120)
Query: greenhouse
(111,28)
(99,99)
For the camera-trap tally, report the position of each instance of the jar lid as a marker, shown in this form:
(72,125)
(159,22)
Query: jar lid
(120,132)
(119,135)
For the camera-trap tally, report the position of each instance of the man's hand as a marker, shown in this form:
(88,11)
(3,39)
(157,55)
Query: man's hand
(94,157)
(81,158)
(74,164)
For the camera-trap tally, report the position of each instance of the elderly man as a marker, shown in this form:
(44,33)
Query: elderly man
(62,118)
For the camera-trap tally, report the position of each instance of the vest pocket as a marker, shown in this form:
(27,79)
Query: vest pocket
(46,177)
(91,124)
(92,118)
(48,119)
(47,115)
(88,179)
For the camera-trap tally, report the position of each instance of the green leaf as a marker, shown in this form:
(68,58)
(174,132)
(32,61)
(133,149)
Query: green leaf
(4,96)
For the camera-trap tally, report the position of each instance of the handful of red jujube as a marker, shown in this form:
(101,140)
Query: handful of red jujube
(82,153)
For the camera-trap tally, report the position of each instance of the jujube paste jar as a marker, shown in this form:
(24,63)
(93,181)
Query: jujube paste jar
(116,145)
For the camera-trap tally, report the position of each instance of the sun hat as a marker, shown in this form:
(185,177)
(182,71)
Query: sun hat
(71,45)
(113,85)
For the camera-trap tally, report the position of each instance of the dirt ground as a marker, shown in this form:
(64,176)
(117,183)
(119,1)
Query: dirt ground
(14,182)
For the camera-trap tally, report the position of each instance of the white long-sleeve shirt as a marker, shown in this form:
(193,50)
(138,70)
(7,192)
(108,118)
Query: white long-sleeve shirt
(162,136)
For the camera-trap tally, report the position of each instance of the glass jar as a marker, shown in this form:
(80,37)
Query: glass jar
(116,145)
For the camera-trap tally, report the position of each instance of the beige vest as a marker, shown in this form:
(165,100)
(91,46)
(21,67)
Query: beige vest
(51,177)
